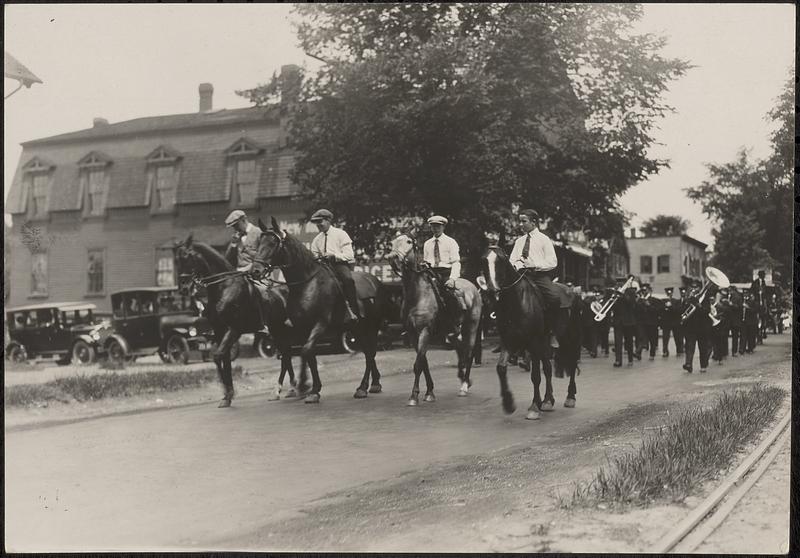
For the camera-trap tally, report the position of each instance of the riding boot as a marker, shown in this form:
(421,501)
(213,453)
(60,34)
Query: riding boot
(352,313)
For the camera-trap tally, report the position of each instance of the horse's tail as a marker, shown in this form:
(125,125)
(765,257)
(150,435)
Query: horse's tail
(570,351)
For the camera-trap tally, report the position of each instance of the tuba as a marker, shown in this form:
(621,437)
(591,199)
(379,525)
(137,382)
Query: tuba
(600,311)
(716,277)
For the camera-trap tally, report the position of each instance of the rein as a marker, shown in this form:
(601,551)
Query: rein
(270,267)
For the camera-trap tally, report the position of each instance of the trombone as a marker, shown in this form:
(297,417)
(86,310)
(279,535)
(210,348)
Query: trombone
(715,277)
(600,311)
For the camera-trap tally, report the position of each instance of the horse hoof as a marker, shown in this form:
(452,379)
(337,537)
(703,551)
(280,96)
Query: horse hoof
(547,406)
(569,403)
(274,396)
(312,398)
(291,393)
(375,388)
(412,402)
(224,403)
(429,397)
(360,394)
(532,415)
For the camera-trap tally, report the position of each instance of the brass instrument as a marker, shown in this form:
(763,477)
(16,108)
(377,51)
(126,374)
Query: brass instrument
(715,277)
(600,311)
(713,313)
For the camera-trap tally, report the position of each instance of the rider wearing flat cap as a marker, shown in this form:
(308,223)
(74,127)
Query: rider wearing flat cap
(244,240)
(334,246)
(441,252)
(535,252)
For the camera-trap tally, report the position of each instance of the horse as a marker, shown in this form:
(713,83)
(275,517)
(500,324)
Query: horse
(231,311)
(316,302)
(422,311)
(520,322)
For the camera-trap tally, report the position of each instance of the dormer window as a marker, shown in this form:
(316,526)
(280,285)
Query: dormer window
(162,175)
(94,183)
(244,160)
(37,176)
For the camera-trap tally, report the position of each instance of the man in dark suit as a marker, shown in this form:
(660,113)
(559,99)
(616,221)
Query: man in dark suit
(624,326)
(758,290)
(603,327)
(697,329)
(750,328)
(669,320)
(722,330)
(589,325)
(736,320)
(679,337)
(647,310)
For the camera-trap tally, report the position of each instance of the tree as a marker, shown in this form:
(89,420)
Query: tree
(738,247)
(761,188)
(665,225)
(468,109)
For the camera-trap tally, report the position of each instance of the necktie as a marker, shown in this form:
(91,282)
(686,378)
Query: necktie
(325,245)
(436,255)
(526,249)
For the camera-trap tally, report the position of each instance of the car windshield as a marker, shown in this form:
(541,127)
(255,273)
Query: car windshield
(45,317)
(77,317)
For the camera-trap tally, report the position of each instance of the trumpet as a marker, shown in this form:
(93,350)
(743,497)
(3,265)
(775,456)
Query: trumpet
(715,277)
(713,313)
(600,311)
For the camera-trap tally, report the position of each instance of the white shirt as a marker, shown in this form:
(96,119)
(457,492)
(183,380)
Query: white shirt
(541,254)
(449,256)
(338,244)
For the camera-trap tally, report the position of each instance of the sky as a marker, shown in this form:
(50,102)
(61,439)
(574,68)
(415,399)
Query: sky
(126,61)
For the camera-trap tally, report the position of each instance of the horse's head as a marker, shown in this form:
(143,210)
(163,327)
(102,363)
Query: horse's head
(190,264)
(496,269)
(404,251)
(270,245)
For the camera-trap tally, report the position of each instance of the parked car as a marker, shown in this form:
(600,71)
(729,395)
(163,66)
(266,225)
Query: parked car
(160,320)
(336,340)
(67,332)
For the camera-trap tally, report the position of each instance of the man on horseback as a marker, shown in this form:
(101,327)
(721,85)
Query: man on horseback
(244,240)
(441,252)
(535,252)
(333,245)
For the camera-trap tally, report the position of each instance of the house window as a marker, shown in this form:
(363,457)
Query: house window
(165,267)
(39,274)
(245,182)
(663,264)
(646,264)
(95,271)
(39,189)
(97,187)
(165,188)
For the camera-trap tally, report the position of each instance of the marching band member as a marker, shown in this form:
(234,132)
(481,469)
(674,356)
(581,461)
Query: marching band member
(679,337)
(589,324)
(736,319)
(624,326)
(750,319)
(722,311)
(697,330)
(604,326)
(758,290)
(670,320)
(647,310)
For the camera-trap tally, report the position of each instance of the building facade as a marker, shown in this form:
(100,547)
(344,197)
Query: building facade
(666,261)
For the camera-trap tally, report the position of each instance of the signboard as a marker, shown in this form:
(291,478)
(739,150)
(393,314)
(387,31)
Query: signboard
(381,270)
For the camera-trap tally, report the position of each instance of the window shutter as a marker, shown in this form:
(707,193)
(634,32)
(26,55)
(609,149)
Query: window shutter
(230,171)
(148,191)
(26,191)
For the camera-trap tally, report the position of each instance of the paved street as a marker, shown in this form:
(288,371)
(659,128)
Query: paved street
(201,477)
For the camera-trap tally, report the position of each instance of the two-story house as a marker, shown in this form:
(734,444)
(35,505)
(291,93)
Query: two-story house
(666,261)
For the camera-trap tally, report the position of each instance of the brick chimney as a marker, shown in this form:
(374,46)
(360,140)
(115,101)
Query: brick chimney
(633,232)
(98,121)
(206,93)
(291,79)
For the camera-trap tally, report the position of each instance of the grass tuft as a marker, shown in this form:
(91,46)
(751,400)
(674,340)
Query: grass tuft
(673,461)
(102,386)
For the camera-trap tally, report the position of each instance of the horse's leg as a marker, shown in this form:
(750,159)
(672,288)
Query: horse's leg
(469,339)
(429,396)
(311,358)
(413,401)
(370,350)
(222,358)
(505,392)
(423,338)
(536,379)
(548,403)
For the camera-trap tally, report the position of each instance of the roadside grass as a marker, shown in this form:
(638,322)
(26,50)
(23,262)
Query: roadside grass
(677,458)
(85,387)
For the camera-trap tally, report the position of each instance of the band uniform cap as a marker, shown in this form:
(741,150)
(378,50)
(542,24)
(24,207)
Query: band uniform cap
(321,214)
(668,289)
(531,213)
(234,216)
(437,220)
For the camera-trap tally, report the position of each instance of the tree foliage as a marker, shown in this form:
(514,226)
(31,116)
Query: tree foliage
(665,225)
(759,188)
(470,109)
(738,247)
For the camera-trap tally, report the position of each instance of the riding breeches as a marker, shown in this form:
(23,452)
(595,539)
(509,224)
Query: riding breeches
(345,276)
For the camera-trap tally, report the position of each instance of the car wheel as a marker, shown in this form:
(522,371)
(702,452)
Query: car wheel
(83,354)
(16,353)
(178,349)
(266,348)
(234,351)
(116,352)
(348,342)
(164,356)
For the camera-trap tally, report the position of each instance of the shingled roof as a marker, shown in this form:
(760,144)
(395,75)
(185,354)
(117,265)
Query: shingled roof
(156,124)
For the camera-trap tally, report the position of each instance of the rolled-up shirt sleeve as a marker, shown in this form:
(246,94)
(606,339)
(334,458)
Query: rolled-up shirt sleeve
(344,247)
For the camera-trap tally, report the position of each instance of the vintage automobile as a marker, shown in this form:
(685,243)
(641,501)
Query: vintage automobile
(336,340)
(67,332)
(160,320)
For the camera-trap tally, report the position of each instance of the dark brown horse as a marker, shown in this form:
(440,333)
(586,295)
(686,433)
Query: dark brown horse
(231,309)
(316,302)
(422,312)
(520,322)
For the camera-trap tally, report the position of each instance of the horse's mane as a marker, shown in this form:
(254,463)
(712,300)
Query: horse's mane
(211,255)
(297,251)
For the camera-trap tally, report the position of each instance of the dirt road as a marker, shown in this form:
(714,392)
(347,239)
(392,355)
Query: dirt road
(454,475)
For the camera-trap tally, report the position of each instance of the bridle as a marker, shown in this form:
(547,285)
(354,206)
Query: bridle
(269,267)
(520,276)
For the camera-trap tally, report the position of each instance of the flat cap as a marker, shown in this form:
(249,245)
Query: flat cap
(532,214)
(437,220)
(321,214)
(234,216)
